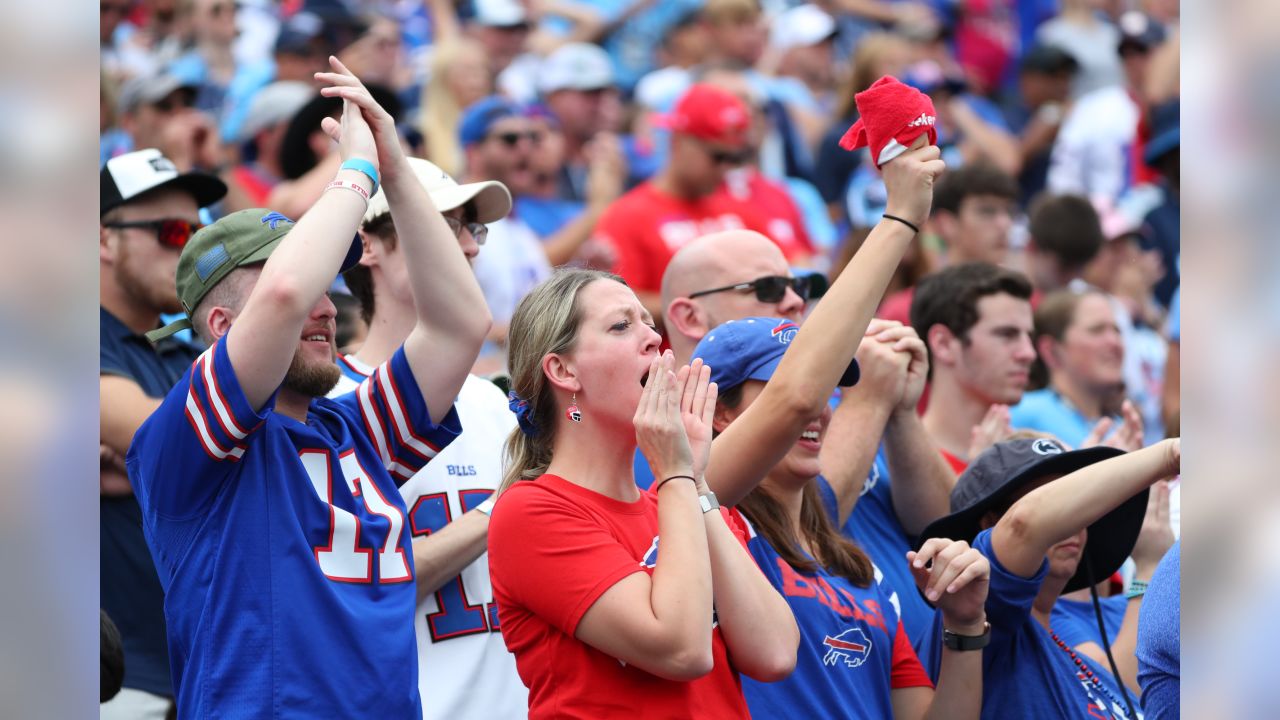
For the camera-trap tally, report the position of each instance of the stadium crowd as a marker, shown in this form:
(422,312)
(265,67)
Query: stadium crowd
(868,309)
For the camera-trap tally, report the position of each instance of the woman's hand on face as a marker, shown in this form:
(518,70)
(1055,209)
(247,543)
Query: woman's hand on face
(954,577)
(697,407)
(660,429)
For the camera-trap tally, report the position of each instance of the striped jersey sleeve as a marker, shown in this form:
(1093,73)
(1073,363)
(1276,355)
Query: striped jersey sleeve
(389,406)
(196,438)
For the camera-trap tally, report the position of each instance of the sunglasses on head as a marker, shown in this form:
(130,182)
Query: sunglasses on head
(479,231)
(768,289)
(171,233)
(511,139)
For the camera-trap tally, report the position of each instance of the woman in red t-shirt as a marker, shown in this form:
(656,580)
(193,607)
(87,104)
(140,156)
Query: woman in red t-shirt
(603,622)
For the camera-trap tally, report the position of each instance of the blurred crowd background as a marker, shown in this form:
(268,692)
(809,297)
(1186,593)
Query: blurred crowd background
(1059,121)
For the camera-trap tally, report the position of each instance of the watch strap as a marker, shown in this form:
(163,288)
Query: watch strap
(965,643)
(708,502)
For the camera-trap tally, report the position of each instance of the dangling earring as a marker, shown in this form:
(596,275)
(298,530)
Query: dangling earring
(572,412)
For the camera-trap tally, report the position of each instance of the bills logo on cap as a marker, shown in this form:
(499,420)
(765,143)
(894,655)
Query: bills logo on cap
(852,646)
(274,219)
(1044,446)
(785,332)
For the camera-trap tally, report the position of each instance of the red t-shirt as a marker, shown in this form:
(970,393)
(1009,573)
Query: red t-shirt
(898,307)
(646,227)
(554,549)
(778,211)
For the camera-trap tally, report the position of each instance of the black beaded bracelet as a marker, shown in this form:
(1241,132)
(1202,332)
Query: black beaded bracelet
(908,223)
(673,477)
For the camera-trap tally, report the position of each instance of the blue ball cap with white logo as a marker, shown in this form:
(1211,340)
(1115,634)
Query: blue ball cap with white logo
(750,349)
(746,349)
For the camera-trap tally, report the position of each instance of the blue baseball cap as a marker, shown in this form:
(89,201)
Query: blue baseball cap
(481,115)
(750,349)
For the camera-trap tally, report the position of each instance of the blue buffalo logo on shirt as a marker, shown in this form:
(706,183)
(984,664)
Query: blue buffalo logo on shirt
(785,332)
(852,646)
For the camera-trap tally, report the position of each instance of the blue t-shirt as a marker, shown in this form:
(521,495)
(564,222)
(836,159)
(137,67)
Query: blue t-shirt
(1045,410)
(130,589)
(874,525)
(545,216)
(1160,639)
(852,646)
(1076,623)
(1024,672)
(283,547)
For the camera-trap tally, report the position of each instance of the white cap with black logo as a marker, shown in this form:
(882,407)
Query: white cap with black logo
(127,176)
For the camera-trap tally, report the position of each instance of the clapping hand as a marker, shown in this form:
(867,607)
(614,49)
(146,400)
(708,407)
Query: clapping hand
(954,577)
(995,427)
(367,131)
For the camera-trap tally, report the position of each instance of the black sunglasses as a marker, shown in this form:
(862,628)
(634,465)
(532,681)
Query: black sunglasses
(730,157)
(768,289)
(170,232)
(511,139)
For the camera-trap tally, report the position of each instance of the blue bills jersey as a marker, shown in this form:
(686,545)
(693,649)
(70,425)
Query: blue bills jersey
(283,547)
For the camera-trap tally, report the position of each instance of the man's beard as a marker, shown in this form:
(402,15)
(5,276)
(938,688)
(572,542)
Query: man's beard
(311,380)
(157,299)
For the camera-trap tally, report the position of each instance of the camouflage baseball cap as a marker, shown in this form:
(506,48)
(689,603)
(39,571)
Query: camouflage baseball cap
(242,238)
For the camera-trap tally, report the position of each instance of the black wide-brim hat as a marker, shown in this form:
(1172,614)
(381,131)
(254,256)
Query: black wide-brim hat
(1007,467)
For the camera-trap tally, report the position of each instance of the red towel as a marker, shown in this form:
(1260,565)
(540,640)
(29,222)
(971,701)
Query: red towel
(893,115)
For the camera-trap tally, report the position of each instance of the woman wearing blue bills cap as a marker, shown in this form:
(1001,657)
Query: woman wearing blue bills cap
(855,659)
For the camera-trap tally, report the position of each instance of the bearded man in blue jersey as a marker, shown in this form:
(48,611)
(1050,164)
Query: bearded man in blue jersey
(272,512)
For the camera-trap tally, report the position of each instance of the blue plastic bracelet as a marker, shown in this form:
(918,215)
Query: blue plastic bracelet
(365,167)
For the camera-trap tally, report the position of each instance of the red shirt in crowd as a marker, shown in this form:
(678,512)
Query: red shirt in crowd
(554,549)
(646,227)
(773,203)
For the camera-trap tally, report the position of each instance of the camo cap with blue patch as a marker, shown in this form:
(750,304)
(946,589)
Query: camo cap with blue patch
(242,238)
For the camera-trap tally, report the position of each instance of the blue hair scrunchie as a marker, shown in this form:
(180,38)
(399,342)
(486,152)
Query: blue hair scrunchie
(520,407)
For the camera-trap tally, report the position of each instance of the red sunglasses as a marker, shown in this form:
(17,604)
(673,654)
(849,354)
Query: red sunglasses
(170,233)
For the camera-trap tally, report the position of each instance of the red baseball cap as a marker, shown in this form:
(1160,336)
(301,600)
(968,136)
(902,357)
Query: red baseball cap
(709,113)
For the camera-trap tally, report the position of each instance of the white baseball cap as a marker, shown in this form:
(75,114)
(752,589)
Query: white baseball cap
(500,13)
(490,198)
(126,177)
(801,26)
(576,66)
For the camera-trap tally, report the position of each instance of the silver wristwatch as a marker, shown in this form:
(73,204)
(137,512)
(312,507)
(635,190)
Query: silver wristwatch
(708,502)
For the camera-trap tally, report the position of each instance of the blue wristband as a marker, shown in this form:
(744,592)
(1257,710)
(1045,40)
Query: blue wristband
(365,167)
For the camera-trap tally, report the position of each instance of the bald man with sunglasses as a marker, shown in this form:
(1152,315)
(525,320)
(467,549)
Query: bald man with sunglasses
(149,211)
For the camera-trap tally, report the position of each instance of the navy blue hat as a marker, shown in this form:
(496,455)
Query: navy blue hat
(1165,132)
(1004,468)
(481,115)
(750,349)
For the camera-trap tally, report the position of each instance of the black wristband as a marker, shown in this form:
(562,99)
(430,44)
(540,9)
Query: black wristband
(908,223)
(963,643)
(673,477)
